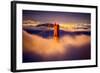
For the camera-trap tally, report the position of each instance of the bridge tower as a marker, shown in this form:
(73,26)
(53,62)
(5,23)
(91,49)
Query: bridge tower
(56,32)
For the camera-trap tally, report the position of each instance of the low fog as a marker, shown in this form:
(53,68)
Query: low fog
(48,47)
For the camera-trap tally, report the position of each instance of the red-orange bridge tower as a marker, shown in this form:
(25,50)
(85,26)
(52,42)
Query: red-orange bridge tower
(56,32)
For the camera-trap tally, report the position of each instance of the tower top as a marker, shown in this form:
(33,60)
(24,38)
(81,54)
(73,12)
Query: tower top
(55,23)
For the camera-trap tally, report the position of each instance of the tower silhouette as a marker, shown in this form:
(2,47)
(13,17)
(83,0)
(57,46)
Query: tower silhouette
(56,31)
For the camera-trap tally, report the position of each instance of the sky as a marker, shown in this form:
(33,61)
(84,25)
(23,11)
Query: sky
(59,17)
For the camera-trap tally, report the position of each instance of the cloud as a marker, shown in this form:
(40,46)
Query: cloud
(49,47)
(30,22)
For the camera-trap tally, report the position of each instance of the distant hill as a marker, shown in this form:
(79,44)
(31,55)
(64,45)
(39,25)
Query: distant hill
(46,25)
